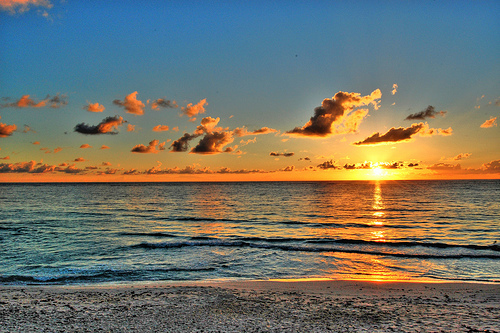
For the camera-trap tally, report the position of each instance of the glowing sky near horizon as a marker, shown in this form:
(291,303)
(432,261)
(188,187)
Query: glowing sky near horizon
(194,90)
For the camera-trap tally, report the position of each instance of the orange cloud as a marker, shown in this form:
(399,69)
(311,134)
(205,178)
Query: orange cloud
(22,5)
(192,110)
(6,130)
(490,123)
(401,134)
(130,128)
(79,159)
(131,104)
(461,156)
(160,128)
(26,167)
(94,107)
(336,116)
(104,147)
(85,146)
(151,148)
(394,89)
(36,142)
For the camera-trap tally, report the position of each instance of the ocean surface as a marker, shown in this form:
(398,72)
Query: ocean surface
(82,233)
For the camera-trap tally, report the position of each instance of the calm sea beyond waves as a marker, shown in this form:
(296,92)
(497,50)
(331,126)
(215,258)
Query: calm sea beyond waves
(86,233)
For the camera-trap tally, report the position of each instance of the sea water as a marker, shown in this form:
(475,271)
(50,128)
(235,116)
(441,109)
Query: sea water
(80,233)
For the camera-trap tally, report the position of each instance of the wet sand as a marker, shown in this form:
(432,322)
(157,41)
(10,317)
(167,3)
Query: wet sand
(253,306)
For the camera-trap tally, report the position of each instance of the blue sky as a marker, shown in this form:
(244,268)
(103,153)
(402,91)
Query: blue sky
(258,64)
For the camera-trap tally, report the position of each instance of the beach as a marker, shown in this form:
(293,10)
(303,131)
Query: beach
(253,306)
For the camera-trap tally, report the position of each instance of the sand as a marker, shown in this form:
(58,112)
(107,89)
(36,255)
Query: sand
(253,306)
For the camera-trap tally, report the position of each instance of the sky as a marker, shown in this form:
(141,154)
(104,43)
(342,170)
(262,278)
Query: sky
(240,90)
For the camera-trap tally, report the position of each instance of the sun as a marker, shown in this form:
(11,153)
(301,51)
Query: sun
(378,172)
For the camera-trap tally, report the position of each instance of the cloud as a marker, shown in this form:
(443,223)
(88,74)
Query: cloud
(28,129)
(336,116)
(461,156)
(94,107)
(430,112)
(244,131)
(106,163)
(208,124)
(394,89)
(104,147)
(26,167)
(192,110)
(5,158)
(85,146)
(163,103)
(281,154)
(444,166)
(492,167)
(131,104)
(104,127)
(182,144)
(160,128)
(328,165)
(402,134)
(490,123)
(36,142)
(6,130)
(21,6)
(212,143)
(214,139)
(151,148)
(130,128)
(26,102)
(79,159)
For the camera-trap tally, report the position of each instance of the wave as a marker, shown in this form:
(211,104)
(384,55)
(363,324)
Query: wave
(361,247)
(151,234)
(95,276)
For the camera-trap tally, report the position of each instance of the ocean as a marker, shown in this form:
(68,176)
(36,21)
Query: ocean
(94,233)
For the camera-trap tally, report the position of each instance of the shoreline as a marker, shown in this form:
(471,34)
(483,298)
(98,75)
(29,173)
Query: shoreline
(260,306)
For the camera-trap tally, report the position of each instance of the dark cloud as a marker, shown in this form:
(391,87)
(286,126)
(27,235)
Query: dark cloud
(281,154)
(182,144)
(393,135)
(104,127)
(337,115)
(328,165)
(163,103)
(151,148)
(430,112)
(212,143)
(403,134)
